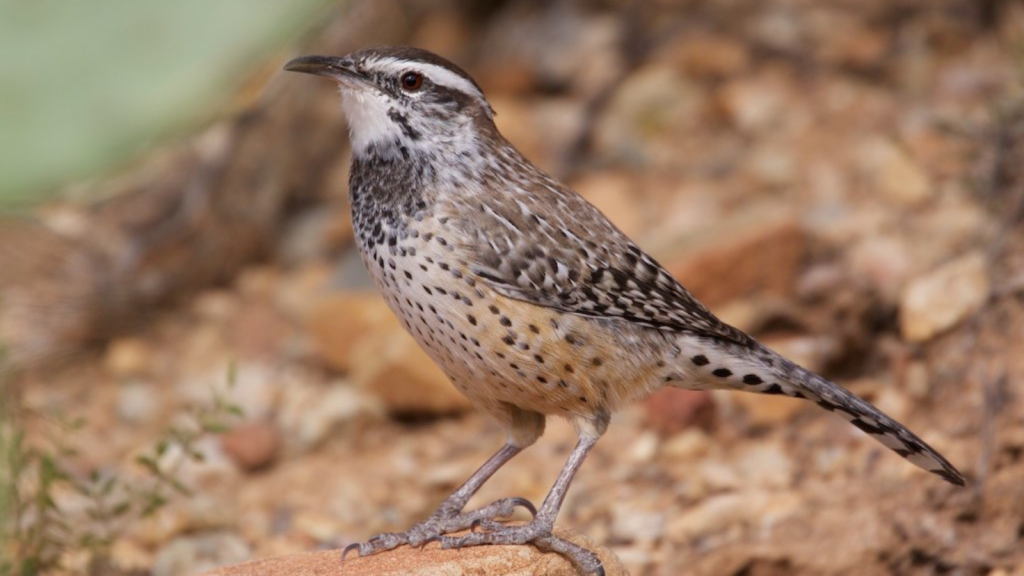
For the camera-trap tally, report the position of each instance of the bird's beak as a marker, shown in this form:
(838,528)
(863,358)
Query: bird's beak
(340,69)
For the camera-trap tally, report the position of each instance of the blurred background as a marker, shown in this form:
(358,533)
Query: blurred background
(197,372)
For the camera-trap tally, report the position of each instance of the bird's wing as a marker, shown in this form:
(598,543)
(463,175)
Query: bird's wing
(554,249)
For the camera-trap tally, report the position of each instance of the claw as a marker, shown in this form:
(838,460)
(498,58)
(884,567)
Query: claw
(434,538)
(600,570)
(517,501)
(476,524)
(349,548)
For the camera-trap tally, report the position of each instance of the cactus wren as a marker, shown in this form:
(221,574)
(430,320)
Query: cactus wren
(532,302)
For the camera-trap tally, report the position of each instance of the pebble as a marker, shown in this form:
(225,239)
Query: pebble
(885,262)
(129,357)
(630,523)
(756,103)
(252,445)
(748,508)
(689,444)
(938,301)
(895,174)
(644,448)
(309,414)
(137,402)
(766,464)
(200,552)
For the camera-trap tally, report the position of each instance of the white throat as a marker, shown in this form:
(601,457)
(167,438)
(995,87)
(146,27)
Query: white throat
(368,120)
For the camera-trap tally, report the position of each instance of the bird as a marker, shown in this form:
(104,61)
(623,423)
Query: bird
(532,302)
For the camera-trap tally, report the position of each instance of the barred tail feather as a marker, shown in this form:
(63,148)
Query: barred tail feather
(878,425)
(751,367)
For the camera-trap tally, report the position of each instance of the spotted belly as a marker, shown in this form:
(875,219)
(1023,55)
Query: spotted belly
(498,350)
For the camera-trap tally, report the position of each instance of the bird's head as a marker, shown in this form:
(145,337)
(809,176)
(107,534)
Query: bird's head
(398,98)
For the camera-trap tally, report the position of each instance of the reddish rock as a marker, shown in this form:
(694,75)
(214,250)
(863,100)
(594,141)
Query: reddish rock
(431,560)
(759,250)
(252,445)
(673,409)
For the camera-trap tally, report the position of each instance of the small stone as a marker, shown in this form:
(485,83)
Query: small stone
(137,402)
(689,444)
(318,525)
(252,445)
(130,556)
(895,174)
(917,380)
(765,464)
(756,103)
(779,27)
(258,281)
(216,305)
(128,357)
(633,524)
(644,449)
(256,332)
(938,301)
(251,386)
(311,414)
(201,552)
(885,262)
(717,476)
(708,516)
(720,512)
(772,165)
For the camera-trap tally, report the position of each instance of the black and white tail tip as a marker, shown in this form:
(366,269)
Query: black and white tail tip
(885,430)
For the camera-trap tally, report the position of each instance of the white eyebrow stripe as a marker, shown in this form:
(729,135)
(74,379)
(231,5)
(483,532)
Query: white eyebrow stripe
(436,74)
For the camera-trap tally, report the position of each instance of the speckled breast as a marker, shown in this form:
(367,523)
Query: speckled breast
(496,349)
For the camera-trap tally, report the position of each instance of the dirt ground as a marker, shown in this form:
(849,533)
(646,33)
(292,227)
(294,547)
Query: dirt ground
(844,180)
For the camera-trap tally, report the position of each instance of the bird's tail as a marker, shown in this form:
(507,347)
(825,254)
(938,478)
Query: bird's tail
(766,372)
(876,424)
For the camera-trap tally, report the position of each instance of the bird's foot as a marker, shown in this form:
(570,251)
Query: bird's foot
(440,523)
(537,533)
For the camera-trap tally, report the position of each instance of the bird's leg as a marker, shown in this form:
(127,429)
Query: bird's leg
(539,531)
(449,516)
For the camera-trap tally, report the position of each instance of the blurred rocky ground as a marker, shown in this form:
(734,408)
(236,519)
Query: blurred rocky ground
(844,180)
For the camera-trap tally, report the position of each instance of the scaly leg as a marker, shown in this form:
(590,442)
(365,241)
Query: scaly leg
(539,531)
(449,516)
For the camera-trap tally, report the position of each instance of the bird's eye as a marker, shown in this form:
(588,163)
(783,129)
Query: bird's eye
(412,81)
